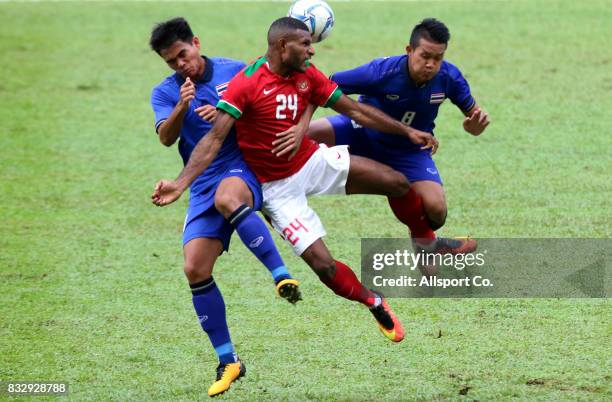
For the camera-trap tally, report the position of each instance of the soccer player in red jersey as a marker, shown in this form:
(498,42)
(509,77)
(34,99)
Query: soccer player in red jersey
(271,95)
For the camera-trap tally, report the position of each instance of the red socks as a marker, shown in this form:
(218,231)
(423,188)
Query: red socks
(346,284)
(410,211)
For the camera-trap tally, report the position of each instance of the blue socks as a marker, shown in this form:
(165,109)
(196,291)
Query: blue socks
(255,235)
(210,308)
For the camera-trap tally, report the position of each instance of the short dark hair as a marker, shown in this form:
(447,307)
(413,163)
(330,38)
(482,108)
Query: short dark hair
(284,25)
(166,33)
(429,29)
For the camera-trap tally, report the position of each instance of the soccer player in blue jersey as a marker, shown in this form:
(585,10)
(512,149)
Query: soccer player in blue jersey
(410,88)
(223,198)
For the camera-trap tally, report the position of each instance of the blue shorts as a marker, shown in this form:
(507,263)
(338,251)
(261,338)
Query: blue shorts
(415,164)
(203,219)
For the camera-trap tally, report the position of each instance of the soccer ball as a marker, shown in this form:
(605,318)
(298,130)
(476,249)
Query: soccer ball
(316,14)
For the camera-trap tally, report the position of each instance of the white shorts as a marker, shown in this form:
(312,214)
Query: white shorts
(285,203)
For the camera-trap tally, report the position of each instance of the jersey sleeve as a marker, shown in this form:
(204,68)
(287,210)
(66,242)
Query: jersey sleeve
(162,104)
(361,80)
(234,99)
(459,92)
(325,92)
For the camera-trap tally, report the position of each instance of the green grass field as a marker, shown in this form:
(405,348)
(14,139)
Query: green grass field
(91,284)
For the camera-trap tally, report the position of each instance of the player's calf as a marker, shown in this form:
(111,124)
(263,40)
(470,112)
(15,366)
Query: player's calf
(335,275)
(319,259)
(257,239)
(409,210)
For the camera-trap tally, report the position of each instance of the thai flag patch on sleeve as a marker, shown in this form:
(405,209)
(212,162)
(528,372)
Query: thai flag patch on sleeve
(437,97)
(221,88)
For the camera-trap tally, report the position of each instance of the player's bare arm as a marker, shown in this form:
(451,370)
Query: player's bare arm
(476,120)
(166,192)
(170,129)
(374,118)
(288,142)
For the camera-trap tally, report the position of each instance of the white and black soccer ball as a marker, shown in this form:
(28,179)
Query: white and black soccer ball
(316,14)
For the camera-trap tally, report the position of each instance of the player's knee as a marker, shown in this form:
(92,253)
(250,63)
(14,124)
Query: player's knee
(436,213)
(226,203)
(399,184)
(195,272)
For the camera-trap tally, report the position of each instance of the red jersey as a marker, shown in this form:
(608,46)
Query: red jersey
(265,104)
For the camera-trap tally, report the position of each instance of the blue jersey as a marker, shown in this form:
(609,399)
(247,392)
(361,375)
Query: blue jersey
(166,95)
(386,84)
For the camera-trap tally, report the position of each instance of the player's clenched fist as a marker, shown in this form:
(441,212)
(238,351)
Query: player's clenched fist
(166,192)
(187,93)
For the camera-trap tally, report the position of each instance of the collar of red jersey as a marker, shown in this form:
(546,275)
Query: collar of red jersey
(267,64)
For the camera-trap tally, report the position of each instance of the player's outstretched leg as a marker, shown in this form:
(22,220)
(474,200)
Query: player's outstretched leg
(343,282)
(200,256)
(234,201)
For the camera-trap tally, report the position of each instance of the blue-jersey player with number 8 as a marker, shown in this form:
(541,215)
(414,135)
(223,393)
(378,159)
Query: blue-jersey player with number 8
(410,88)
